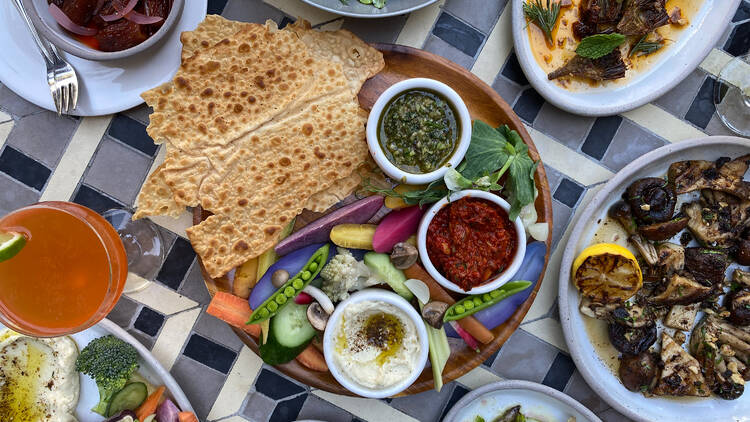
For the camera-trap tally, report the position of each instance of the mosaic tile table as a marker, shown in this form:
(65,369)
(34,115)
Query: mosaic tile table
(101,162)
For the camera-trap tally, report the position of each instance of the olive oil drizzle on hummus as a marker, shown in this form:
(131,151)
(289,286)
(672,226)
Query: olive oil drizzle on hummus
(383,331)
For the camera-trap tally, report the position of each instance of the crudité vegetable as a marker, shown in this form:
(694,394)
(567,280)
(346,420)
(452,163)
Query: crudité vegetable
(187,417)
(353,236)
(245,278)
(291,288)
(167,412)
(292,263)
(473,303)
(381,265)
(394,202)
(148,407)
(269,257)
(110,361)
(233,310)
(489,148)
(531,269)
(396,227)
(128,398)
(313,359)
(289,335)
(318,231)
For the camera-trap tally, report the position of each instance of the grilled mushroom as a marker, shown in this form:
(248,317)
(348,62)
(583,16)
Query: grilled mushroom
(708,266)
(620,211)
(664,230)
(723,175)
(651,199)
(632,341)
(434,312)
(738,304)
(638,372)
(642,16)
(681,289)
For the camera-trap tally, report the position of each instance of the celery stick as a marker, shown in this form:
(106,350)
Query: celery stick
(440,350)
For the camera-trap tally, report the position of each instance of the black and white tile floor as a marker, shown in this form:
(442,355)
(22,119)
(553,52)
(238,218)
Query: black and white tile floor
(102,162)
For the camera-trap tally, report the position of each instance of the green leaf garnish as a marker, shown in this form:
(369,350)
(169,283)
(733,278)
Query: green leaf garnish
(645,47)
(599,45)
(544,17)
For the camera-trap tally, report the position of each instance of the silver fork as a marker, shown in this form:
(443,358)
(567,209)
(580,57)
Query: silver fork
(61,77)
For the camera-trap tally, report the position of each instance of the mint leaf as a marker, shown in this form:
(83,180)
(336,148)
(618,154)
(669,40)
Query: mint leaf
(599,45)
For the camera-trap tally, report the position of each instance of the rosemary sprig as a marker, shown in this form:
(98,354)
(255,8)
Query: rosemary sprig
(646,47)
(544,17)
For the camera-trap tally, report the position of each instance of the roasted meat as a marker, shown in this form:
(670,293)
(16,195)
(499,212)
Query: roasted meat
(638,372)
(608,67)
(681,375)
(595,13)
(156,8)
(708,266)
(723,175)
(681,289)
(79,11)
(640,17)
(651,199)
(120,35)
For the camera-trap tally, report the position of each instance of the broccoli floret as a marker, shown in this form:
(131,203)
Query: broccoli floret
(110,362)
(344,274)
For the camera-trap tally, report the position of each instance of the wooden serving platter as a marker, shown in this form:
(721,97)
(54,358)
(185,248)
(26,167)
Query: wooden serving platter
(485,104)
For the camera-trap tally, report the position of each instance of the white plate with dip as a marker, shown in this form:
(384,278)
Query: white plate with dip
(668,68)
(587,338)
(536,400)
(104,87)
(150,369)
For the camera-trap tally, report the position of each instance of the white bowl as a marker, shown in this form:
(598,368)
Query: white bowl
(490,284)
(374,294)
(463,121)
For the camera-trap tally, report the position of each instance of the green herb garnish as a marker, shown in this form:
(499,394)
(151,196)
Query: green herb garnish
(377,3)
(599,45)
(645,47)
(544,17)
(490,149)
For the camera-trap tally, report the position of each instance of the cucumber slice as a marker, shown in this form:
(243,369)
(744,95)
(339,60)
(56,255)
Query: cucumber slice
(290,333)
(381,265)
(129,398)
(291,327)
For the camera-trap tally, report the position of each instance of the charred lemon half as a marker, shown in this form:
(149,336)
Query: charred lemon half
(607,273)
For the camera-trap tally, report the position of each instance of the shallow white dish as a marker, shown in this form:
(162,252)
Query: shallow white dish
(358,10)
(150,369)
(679,59)
(463,119)
(104,87)
(536,400)
(594,370)
(374,294)
(498,280)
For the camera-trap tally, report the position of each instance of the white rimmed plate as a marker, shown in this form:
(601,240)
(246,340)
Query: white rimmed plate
(356,9)
(150,369)
(104,87)
(673,65)
(536,400)
(583,348)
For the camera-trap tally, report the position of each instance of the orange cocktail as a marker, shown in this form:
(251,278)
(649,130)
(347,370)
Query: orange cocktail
(67,277)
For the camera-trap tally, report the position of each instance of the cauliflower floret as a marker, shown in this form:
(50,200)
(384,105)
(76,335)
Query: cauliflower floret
(344,274)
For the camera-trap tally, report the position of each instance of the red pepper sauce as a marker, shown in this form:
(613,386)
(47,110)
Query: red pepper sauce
(471,240)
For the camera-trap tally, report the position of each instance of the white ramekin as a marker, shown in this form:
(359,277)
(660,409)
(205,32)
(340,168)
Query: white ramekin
(492,283)
(463,121)
(329,342)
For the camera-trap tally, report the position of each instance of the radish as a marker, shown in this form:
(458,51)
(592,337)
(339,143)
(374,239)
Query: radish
(396,227)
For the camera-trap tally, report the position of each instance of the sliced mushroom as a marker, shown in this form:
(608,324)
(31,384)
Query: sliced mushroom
(664,230)
(620,211)
(632,341)
(638,372)
(317,316)
(717,347)
(743,252)
(404,255)
(671,258)
(510,415)
(681,290)
(708,266)
(723,175)
(279,277)
(738,304)
(651,199)
(681,375)
(682,317)
(433,313)
(741,277)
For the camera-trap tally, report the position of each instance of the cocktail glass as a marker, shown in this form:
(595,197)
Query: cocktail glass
(732,95)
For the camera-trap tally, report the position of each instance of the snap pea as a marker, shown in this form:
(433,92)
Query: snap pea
(291,288)
(474,303)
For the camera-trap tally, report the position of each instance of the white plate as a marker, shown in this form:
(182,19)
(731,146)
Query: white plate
(679,59)
(150,369)
(596,372)
(358,10)
(536,400)
(104,87)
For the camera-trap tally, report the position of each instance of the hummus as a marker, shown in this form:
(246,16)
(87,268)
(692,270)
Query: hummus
(38,380)
(376,344)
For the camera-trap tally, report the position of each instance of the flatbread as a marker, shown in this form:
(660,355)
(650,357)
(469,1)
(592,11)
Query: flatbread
(156,198)
(257,125)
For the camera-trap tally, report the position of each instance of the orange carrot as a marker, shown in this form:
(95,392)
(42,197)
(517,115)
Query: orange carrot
(311,358)
(469,323)
(186,417)
(148,407)
(233,310)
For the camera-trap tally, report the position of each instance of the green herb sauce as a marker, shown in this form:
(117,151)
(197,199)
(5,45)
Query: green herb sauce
(418,130)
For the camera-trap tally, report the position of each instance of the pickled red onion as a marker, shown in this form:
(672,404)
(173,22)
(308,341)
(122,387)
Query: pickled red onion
(119,13)
(142,19)
(68,24)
